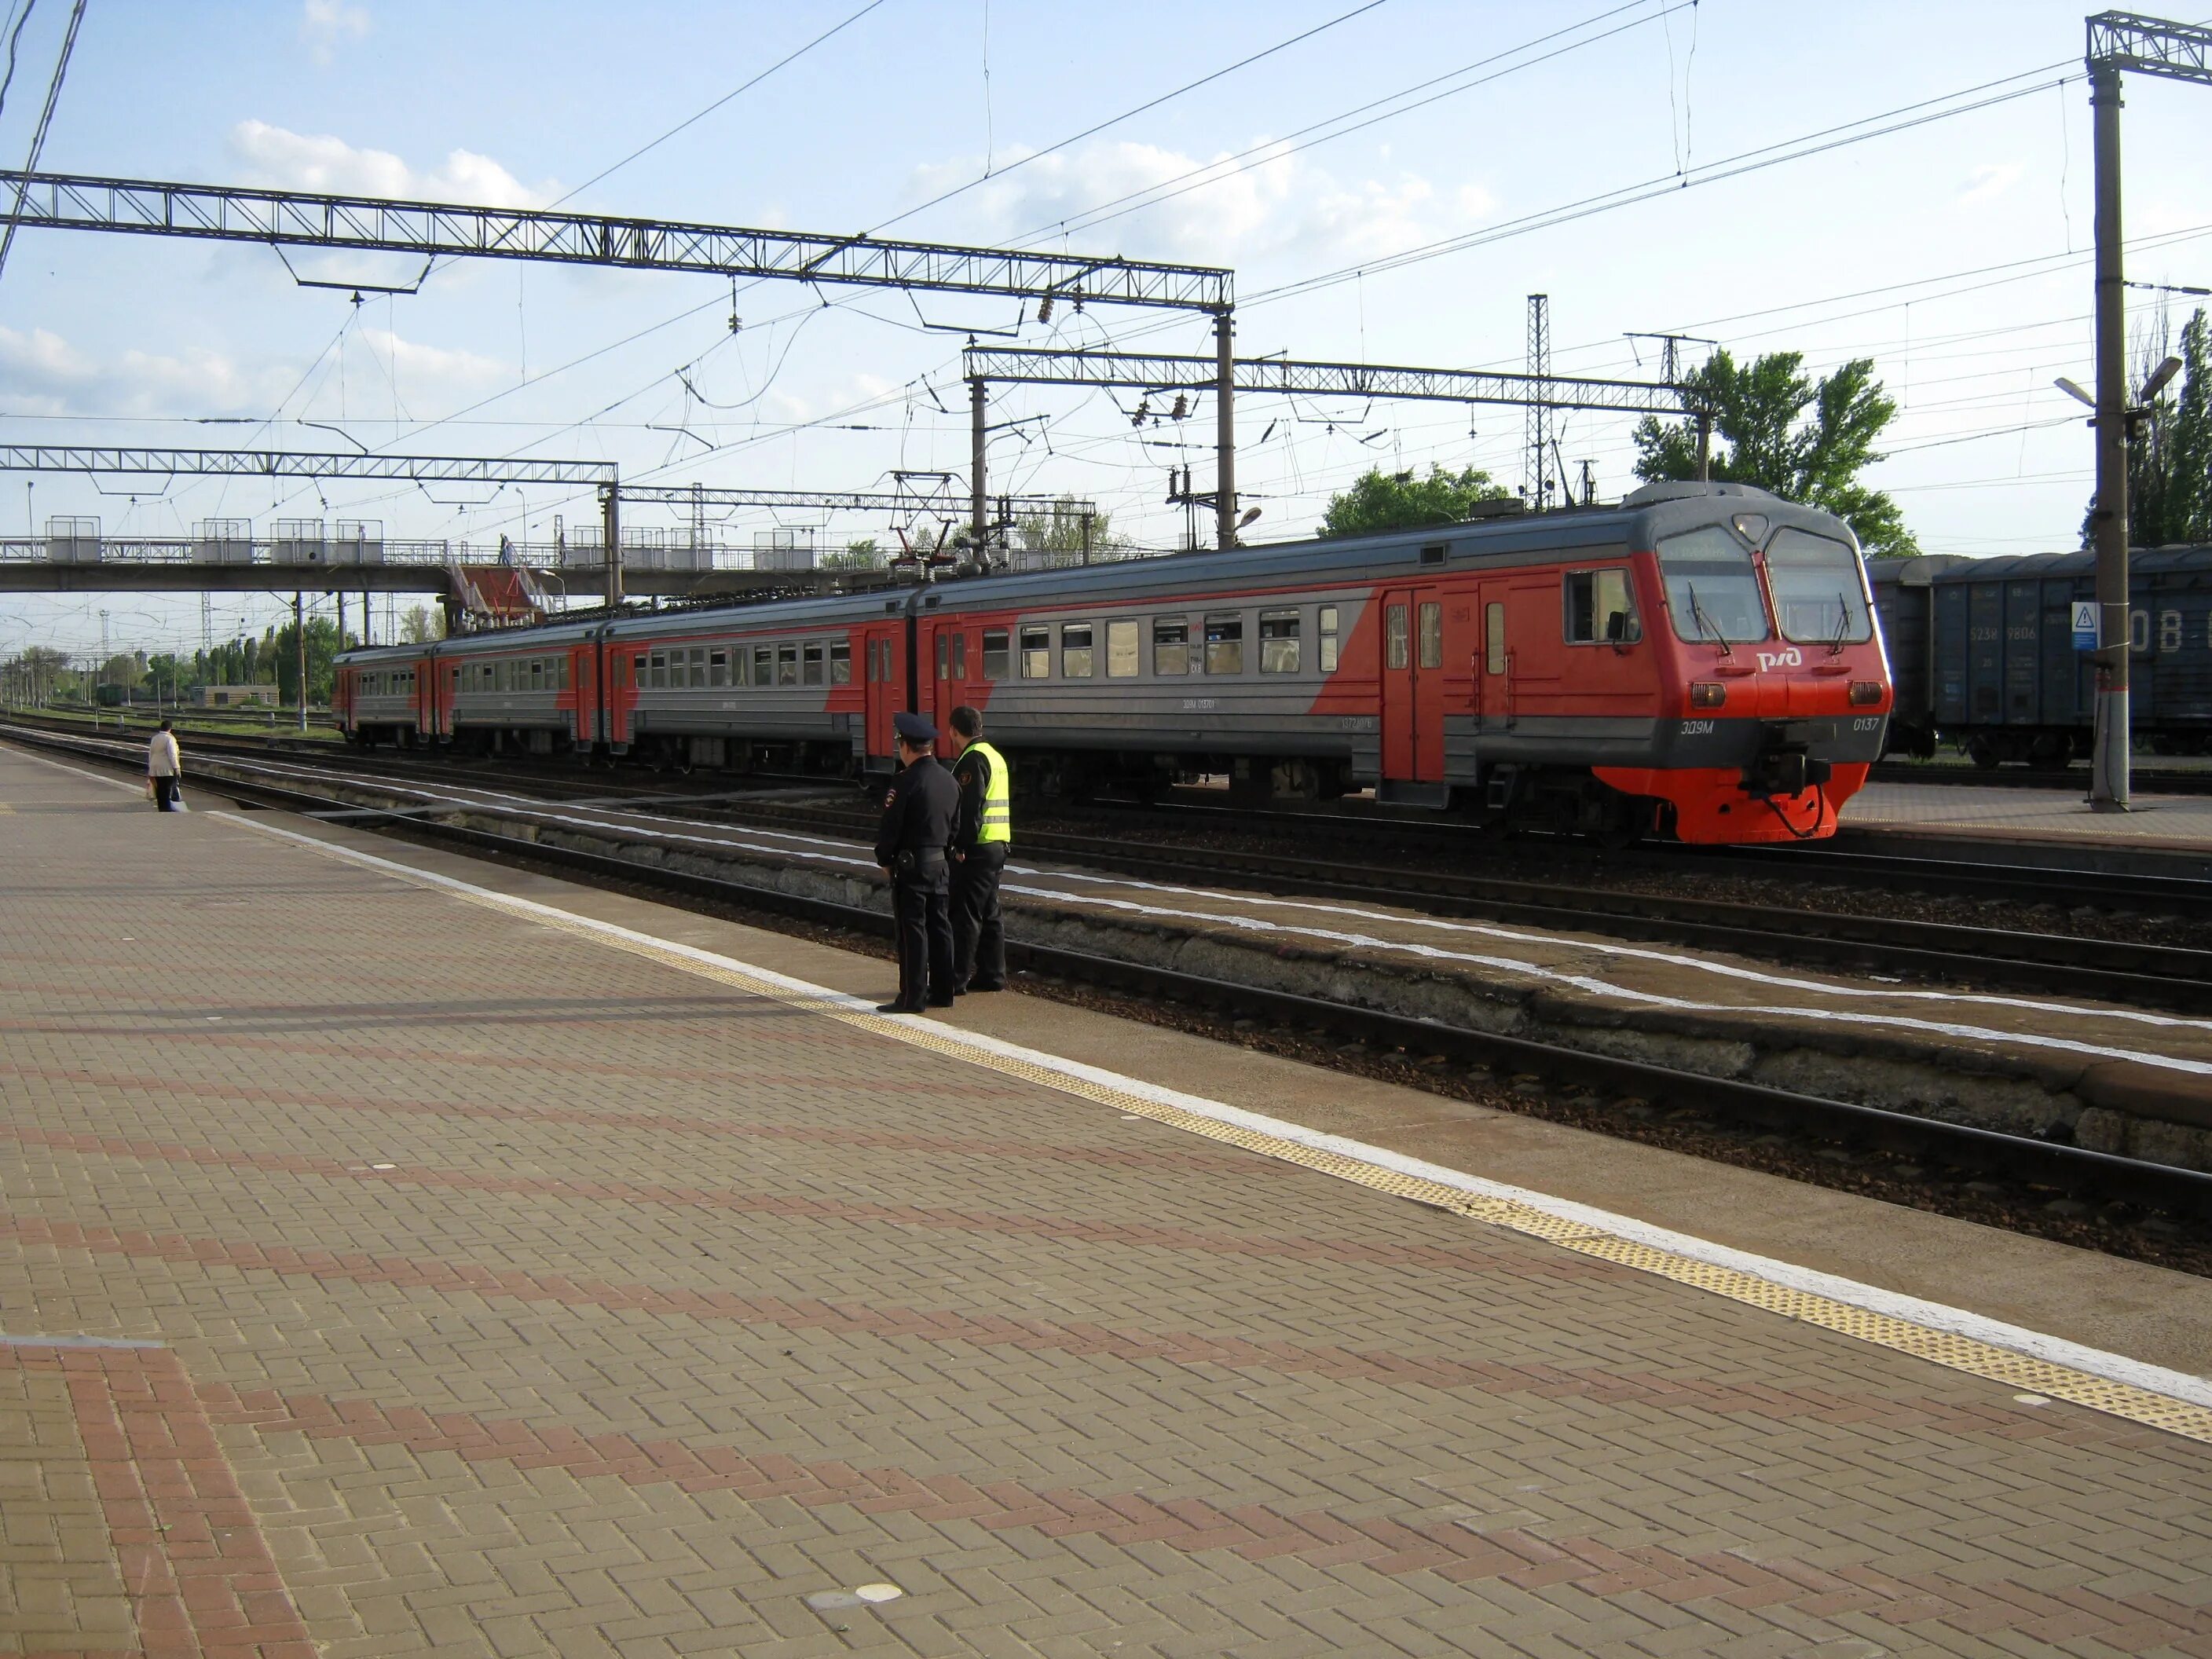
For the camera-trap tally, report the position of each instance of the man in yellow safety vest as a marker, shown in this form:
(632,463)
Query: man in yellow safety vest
(981,832)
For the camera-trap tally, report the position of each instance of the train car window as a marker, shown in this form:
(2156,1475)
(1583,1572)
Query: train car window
(657,671)
(960,656)
(1037,653)
(1819,597)
(1124,658)
(1599,609)
(718,668)
(763,665)
(538,673)
(1279,642)
(997,662)
(1493,639)
(943,655)
(1328,639)
(1431,634)
(637,669)
(1170,645)
(786,665)
(810,664)
(1711,592)
(1075,650)
(840,662)
(1224,644)
(560,673)
(1396,637)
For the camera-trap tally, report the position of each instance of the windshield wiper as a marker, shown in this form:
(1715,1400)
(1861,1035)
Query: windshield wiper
(1843,624)
(1705,623)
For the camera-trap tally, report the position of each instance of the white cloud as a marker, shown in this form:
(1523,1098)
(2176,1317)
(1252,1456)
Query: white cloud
(1278,204)
(42,374)
(285,160)
(324,24)
(1990,181)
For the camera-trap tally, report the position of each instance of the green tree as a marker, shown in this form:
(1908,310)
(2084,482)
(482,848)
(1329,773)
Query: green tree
(421,625)
(863,555)
(1806,440)
(122,669)
(1379,501)
(2170,462)
(1060,529)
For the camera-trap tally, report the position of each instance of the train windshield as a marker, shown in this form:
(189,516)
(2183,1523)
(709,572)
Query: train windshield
(1711,592)
(1818,596)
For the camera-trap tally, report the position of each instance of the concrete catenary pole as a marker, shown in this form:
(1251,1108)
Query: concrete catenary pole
(978,441)
(2109,779)
(611,524)
(1224,429)
(300,650)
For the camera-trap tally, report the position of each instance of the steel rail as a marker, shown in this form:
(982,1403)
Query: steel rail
(2058,964)
(2039,1164)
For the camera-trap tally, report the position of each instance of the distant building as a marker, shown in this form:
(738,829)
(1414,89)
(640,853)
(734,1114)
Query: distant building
(233,697)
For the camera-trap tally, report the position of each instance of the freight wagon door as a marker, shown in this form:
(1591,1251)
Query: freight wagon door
(1413,685)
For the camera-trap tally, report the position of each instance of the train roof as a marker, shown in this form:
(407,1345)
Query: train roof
(1947,570)
(1645,517)
(1642,518)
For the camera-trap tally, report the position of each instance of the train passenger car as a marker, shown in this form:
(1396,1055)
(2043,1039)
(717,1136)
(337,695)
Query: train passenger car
(385,694)
(521,690)
(1994,668)
(1702,660)
(800,684)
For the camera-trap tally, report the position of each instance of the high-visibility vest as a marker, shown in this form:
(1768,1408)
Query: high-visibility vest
(998,823)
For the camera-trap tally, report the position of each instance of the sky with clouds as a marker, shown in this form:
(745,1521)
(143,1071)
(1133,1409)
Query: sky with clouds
(1953,251)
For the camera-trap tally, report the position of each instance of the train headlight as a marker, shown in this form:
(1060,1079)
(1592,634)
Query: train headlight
(1865,693)
(1707,694)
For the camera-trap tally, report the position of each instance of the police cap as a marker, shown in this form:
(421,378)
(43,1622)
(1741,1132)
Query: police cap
(914,728)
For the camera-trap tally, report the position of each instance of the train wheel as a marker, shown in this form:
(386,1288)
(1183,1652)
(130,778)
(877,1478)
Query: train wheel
(1981,752)
(1628,820)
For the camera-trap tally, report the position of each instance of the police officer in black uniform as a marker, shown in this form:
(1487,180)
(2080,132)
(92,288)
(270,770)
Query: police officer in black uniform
(917,827)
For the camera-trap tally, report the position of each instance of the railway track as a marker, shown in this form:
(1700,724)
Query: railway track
(2167,977)
(2035,1169)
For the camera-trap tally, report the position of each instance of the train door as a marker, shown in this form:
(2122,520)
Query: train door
(582,695)
(427,671)
(947,661)
(886,684)
(1413,685)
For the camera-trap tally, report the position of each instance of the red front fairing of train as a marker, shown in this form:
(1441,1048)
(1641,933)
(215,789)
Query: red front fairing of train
(1771,663)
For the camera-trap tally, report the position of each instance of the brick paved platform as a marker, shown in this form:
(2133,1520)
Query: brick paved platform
(515,1293)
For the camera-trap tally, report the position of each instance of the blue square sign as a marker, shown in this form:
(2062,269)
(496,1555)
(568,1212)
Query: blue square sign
(2085,624)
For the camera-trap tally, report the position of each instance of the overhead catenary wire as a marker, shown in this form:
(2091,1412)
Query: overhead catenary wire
(45,122)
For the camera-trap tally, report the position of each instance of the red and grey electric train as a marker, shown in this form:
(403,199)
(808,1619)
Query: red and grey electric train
(1701,661)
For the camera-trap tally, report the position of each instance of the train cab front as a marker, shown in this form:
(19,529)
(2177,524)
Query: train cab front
(1781,688)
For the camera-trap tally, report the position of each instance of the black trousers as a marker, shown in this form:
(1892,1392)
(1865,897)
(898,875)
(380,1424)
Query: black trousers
(921,906)
(165,793)
(979,936)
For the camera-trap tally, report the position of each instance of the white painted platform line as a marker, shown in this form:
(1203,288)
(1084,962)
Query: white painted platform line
(2017,1358)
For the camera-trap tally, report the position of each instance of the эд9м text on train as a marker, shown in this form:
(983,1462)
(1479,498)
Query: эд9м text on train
(1701,662)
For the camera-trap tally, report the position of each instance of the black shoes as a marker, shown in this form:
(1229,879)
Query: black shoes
(995,985)
(899,1008)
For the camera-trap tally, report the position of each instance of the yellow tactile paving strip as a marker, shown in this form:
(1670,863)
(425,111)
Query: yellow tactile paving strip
(1947,1349)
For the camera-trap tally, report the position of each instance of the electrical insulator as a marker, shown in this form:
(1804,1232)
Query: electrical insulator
(1044,309)
(1182,407)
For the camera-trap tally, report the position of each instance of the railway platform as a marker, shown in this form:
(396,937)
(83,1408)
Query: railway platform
(2156,823)
(405,1254)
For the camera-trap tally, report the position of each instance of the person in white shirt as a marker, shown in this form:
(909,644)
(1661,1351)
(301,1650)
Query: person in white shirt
(164,766)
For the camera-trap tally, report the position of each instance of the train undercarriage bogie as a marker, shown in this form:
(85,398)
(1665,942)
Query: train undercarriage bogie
(2046,746)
